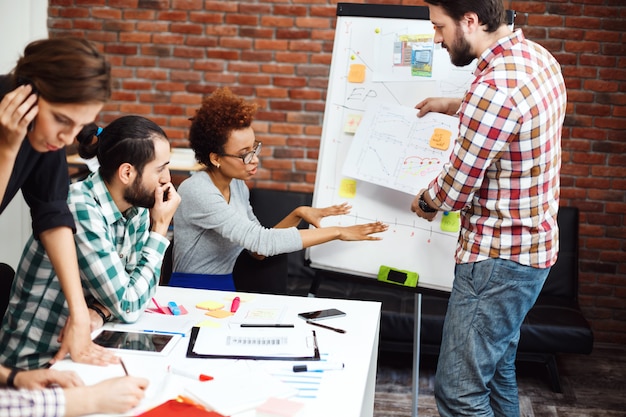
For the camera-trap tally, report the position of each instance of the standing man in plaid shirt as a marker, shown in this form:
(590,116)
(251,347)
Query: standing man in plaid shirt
(121,219)
(503,176)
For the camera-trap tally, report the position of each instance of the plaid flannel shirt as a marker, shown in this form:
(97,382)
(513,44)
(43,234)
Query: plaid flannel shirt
(48,402)
(120,264)
(504,170)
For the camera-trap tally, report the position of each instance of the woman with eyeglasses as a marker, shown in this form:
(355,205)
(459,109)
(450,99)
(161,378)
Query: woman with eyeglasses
(215,221)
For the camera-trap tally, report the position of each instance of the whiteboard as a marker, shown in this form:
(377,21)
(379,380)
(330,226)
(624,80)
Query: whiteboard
(370,67)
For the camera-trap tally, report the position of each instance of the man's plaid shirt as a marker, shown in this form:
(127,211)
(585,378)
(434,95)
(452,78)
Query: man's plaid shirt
(504,171)
(120,264)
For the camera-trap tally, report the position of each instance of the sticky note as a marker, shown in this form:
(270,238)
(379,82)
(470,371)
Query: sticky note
(210,305)
(451,221)
(440,139)
(243,297)
(278,407)
(347,188)
(218,314)
(356,74)
(208,323)
(352,122)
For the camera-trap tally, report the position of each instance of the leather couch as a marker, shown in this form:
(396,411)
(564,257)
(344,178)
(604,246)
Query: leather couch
(554,325)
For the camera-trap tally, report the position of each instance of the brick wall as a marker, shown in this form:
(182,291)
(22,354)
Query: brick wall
(166,54)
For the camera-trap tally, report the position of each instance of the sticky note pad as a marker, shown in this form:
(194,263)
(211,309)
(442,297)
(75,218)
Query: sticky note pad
(352,122)
(440,139)
(347,188)
(451,221)
(218,314)
(210,305)
(279,407)
(356,74)
(208,323)
(243,297)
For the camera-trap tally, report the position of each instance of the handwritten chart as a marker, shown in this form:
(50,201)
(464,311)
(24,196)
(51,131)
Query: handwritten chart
(394,148)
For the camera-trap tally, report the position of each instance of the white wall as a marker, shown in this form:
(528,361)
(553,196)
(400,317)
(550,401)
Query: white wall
(21,21)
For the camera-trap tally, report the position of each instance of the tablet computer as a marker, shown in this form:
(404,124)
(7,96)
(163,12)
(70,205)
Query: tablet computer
(136,342)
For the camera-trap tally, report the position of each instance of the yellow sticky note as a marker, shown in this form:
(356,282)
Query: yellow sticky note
(451,221)
(243,297)
(208,323)
(347,188)
(352,122)
(210,305)
(356,74)
(440,139)
(218,314)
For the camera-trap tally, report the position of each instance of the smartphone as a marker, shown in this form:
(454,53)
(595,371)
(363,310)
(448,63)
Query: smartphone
(166,194)
(322,314)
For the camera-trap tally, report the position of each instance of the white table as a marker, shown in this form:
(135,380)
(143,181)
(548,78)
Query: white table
(347,393)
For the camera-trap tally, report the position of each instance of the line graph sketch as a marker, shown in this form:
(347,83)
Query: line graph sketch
(394,148)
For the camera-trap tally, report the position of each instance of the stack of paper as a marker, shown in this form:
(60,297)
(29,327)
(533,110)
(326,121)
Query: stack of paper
(239,392)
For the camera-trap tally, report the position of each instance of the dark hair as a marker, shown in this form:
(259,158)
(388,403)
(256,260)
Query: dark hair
(220,114)
(490,12)
(65,70)
(129,139)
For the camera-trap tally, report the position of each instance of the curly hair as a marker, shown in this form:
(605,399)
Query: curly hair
(220,114)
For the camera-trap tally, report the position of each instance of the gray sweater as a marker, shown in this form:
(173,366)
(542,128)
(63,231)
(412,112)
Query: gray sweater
(209,233)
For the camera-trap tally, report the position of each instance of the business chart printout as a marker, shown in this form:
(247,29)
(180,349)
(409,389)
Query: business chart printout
(394,148)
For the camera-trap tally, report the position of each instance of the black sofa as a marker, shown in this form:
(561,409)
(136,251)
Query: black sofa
(554,325)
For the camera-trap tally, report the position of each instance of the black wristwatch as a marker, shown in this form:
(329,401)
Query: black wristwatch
(424,205)
(11,377)
(92,306)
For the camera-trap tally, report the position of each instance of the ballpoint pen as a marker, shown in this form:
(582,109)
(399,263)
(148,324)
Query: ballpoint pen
(318,366)
(124,366)
(335,329)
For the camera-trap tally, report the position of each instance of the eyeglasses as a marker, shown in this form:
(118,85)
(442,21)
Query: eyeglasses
(248,156)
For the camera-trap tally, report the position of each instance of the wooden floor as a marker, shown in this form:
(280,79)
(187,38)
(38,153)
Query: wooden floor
(593,386)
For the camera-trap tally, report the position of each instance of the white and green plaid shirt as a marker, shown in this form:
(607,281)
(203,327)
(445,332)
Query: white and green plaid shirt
(120,262)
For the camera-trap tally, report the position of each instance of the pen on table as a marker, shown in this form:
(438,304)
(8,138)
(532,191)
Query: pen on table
(189,374)
(277,325)
(163,332)
(335,329)
(235,305)
(124,366)
(318,366)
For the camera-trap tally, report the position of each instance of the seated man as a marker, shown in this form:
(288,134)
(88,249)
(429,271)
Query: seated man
(122,215)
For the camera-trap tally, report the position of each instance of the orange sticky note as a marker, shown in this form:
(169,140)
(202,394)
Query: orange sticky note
(440,139)
(356,73)
(218,314)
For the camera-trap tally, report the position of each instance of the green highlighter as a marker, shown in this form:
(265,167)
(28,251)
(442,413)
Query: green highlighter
(397,276)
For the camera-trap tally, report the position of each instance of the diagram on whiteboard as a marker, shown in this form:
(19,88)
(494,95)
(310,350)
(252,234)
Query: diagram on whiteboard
(394,148)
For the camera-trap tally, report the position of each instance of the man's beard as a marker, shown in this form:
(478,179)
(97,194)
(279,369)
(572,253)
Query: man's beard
(460,53)
(138,195)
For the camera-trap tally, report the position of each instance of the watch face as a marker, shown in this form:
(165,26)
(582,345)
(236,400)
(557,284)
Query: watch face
(424,205)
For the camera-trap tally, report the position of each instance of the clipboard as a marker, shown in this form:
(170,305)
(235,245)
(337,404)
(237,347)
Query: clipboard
(313,353)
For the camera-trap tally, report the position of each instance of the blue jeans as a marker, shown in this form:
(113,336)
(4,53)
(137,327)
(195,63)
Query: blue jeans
(476,367)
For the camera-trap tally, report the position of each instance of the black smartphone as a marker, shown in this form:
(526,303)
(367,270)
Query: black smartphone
(166,194)
(322,314)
